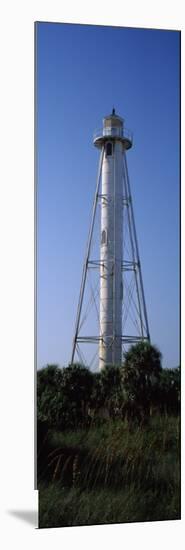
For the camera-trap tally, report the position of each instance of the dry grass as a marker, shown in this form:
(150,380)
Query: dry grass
(110,474)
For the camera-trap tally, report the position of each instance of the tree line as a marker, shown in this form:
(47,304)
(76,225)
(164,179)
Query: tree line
(73,396)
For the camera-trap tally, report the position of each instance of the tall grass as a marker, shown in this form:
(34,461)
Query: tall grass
(117,472)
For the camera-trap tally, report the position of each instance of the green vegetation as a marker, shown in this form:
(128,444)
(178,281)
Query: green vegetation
(109,443)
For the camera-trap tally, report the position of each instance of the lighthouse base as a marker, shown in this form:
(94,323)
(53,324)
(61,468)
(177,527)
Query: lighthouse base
(110,351)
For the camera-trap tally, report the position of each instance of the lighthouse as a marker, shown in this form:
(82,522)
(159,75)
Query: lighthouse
(113,142)
(121,309)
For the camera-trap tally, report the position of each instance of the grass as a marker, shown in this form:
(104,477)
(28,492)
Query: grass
(113,473)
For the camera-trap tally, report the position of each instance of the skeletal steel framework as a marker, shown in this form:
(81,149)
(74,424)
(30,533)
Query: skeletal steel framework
(135,326)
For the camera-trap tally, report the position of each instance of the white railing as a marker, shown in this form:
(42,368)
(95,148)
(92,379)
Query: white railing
(113,131)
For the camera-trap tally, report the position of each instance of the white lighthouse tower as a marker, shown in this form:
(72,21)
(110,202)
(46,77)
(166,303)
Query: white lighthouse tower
(115,259)
(114,143)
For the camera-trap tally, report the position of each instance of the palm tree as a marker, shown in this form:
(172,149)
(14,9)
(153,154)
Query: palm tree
(141,373)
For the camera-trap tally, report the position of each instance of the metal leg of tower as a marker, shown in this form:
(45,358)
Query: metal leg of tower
(84,274)
(137,252)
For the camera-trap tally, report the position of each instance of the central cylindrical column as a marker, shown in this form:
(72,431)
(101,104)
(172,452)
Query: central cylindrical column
(111,289)
(114,141)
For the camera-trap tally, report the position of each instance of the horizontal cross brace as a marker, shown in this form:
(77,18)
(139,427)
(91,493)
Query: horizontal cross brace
(125,265)
(125,339)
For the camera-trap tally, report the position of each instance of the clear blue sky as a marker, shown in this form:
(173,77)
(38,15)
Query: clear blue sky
(82,72)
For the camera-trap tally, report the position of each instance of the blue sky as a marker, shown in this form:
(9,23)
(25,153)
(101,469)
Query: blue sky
(82,72)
